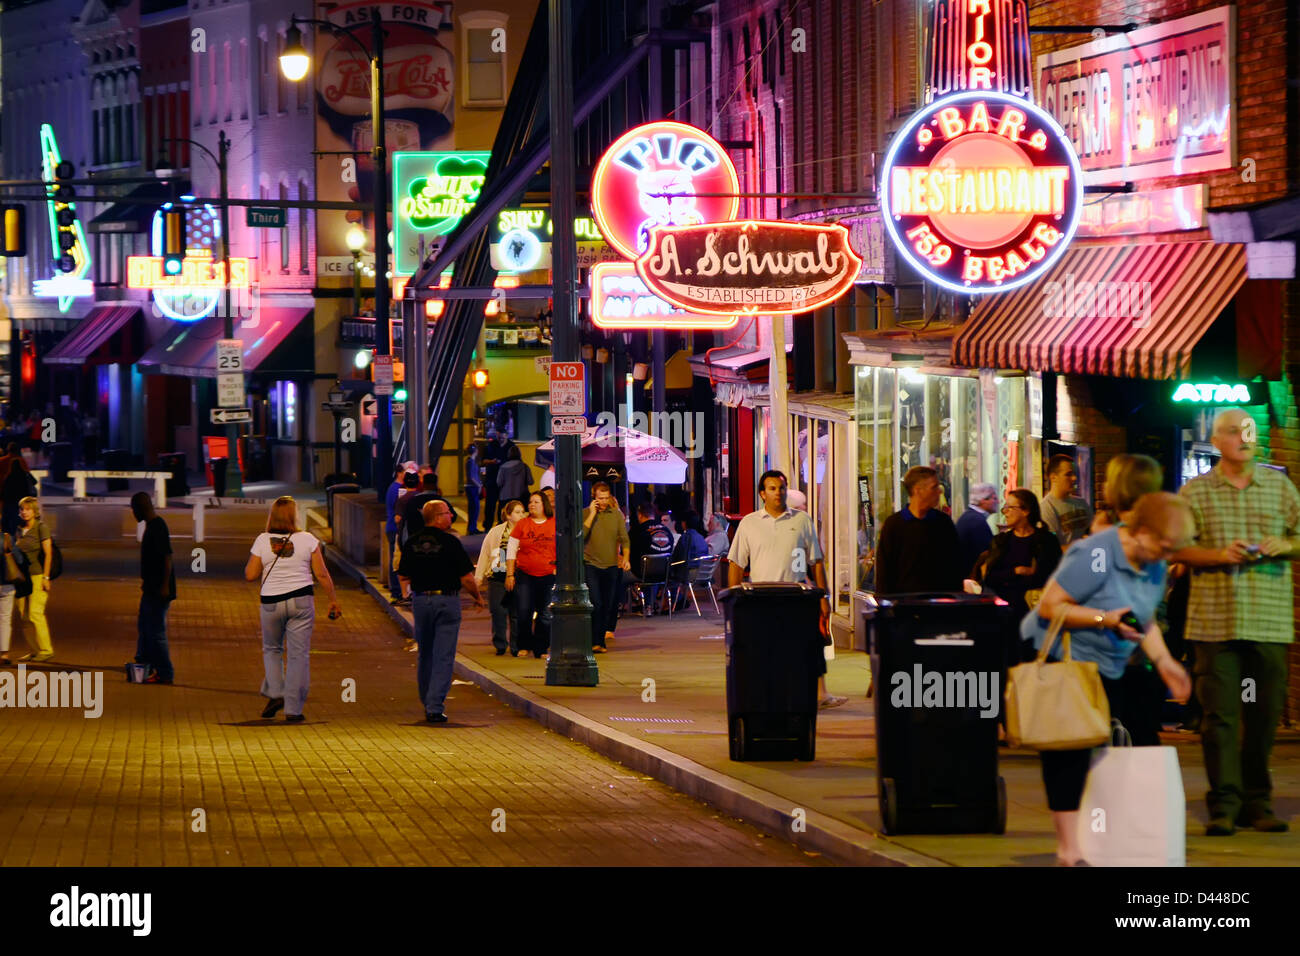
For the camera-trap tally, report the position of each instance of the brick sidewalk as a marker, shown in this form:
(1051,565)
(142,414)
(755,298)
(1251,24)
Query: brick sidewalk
(682,739)
(358,784)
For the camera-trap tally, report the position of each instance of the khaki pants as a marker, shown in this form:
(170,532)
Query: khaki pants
(32,609)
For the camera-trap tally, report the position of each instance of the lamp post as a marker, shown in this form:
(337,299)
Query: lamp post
(295,63)
(234,478)
(356,240)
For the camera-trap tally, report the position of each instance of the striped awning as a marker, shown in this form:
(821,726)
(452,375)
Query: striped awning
(81,345)
(1130,311)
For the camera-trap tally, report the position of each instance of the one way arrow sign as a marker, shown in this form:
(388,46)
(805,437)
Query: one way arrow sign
(231,416)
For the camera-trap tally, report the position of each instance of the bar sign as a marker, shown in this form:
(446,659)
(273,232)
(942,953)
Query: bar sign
(262,217)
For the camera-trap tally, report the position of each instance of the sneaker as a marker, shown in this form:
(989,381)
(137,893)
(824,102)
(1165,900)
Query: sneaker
(1264,822)
(830,700)
(47,656)
(273,706)
(436,718)
(599,649)
(1220,826)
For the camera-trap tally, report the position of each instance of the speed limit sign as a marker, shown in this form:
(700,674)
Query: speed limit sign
(230,355)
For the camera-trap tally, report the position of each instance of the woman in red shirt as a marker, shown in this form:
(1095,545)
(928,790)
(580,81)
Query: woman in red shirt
(532,549)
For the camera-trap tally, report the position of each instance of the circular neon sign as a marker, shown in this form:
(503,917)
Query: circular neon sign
(652,175)
(981,192)
(202,234)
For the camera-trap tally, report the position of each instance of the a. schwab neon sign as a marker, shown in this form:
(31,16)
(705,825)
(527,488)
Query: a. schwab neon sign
(63,219)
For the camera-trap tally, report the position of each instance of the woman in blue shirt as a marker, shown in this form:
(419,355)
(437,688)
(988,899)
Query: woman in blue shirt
(1100,579)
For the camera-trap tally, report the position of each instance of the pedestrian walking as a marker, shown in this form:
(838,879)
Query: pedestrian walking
(490,574)
(391,525)
(514,478)
(974,533)
(14,583)
(157,591)
(1121,571)
(777,543)
(19,483)
(285,560)
(1240,619)
(606,554)
(37,545)
(473,489)
(918,549)
(494,456)
(1066,515)
(413,506)
(530,573)
(434,569)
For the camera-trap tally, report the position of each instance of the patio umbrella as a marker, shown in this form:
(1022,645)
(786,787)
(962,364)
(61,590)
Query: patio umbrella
(646,458)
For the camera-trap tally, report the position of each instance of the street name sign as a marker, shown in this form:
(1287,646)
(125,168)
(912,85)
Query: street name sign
(231,416)
(259,217)
(568,425)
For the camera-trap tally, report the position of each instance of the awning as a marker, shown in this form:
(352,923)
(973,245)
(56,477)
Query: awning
(735,363)
(1130,311)
(190,349)
(677,372)
(134,213)
(79,347)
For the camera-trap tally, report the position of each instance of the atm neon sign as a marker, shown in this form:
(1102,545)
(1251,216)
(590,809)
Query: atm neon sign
(1214,393)
(981,192)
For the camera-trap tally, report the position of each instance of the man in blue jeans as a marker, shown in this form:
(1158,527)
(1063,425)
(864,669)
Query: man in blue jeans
(433,569)
(157,591)
(390,525)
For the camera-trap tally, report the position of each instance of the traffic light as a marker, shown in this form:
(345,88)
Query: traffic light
(480,377)
(173,240)
(64,216)
(15,231)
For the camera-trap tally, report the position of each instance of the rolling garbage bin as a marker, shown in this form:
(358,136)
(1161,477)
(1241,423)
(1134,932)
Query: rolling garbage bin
(937,663)
(218,466)
(774,657)
(60,453)
(178,485)
(344,483)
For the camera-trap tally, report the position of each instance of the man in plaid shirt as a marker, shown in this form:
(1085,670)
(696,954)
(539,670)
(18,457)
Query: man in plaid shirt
(1240,614)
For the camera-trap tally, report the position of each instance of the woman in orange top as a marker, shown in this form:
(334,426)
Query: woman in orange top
(532,549)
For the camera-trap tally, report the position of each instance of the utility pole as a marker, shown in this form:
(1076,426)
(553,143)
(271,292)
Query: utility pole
(234,476)
(383,417)
(571,662)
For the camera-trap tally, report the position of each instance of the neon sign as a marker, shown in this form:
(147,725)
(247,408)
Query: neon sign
(981,192)
(195,292)
(199,271)
(519,241)
(432,192)
(980,45)
(63,221)
(724,268)
(653,175)
(1217,393)
(620,300)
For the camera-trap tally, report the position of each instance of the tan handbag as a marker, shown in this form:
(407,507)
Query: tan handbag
(1057,705)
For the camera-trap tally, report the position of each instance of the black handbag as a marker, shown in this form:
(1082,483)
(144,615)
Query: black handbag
(18,573)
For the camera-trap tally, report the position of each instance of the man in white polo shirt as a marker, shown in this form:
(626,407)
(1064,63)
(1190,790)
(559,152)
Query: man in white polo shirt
(779,544)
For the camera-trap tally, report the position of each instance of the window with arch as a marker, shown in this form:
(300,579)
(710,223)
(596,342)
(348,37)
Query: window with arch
(243,78)
(304,222)
(284,233)
(263,71)
(483,59)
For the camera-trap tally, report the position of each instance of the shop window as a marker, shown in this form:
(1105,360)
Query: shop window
(284,233)
(485,61)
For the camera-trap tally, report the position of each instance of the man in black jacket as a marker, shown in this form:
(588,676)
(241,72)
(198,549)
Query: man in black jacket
(918,549)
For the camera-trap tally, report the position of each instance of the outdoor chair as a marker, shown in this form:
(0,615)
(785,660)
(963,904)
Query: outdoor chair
(654,578)
(699,573)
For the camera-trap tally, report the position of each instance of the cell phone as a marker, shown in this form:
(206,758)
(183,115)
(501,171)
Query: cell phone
(1253,550)
(334,615)
(1131,620)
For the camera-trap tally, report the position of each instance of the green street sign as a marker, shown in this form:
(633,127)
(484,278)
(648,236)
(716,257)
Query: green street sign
(261,217)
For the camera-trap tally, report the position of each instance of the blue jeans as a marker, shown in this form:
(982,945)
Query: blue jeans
(503,622)
(394,588)
(471,507)
(437,623)
(288,624)
(603,584)
(151,645)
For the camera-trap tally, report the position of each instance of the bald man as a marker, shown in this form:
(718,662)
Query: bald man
(1240,618)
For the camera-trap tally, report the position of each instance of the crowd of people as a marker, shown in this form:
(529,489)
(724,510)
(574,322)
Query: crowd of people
(1204,574)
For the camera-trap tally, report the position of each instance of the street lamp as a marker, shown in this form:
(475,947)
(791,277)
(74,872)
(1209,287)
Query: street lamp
(356,240)
(234,478)
(295,63)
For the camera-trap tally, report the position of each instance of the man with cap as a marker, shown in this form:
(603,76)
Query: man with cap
(433,569)
(390,525)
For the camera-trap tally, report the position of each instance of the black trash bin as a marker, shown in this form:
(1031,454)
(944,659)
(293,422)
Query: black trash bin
(937,663)
(178,485)
(338,484)
(117,459)
(218,466)
(774,657)
(60,454)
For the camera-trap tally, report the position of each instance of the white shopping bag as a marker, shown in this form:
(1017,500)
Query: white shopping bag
(1134,811)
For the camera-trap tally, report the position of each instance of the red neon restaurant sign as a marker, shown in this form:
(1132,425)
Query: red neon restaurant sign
(980,45)
(651,176)
(620,300)
(724,268)
(981,191)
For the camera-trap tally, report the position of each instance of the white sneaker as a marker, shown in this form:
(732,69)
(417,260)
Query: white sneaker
(830,700)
